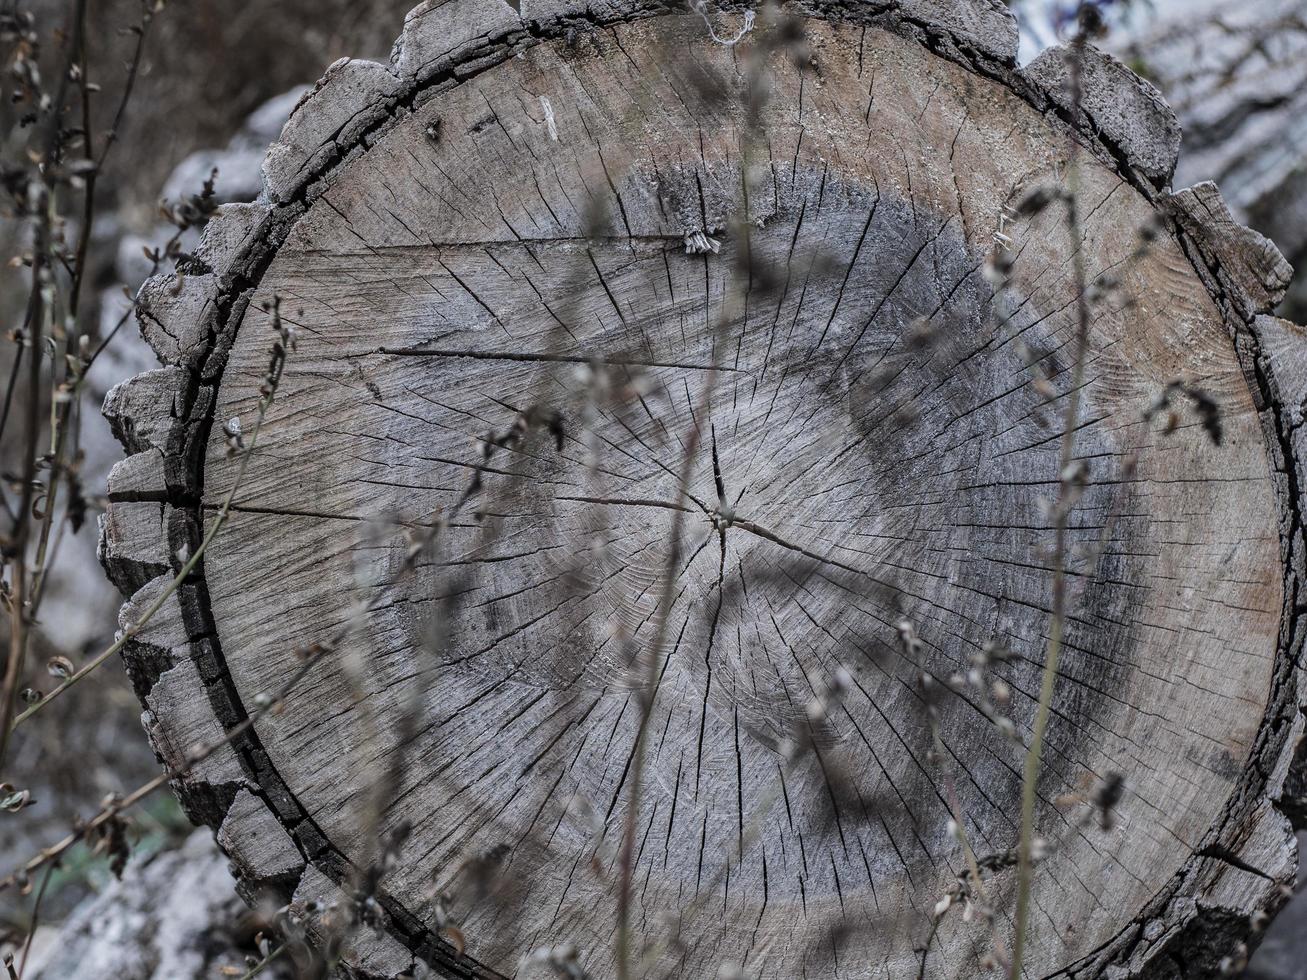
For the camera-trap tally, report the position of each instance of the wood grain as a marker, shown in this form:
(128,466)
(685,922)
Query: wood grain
(599,229)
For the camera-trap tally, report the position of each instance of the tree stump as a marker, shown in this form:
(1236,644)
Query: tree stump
(547,256)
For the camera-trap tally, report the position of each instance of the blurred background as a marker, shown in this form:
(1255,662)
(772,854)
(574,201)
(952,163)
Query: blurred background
(216,83)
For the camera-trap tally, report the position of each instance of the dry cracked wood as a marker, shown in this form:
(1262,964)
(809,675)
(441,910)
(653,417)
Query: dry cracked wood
(593,227)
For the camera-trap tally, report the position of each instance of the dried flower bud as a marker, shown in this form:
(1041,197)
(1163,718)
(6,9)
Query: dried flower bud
(231,431)
(12,800)
(1036,200)
(942,906)
(1107,794)
(60,667)
(699,243)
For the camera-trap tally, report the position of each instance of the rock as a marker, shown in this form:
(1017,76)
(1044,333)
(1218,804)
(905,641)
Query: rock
(172,916)
(238,163)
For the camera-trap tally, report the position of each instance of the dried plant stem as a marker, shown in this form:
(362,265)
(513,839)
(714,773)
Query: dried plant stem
(20,346)
(18,543)
(35,920)
(131,309)
(930,941)
(1030,776)
(17,642)
(112,810)
(649,685)
(41,306)
(751,833)
(655,660)
(1034,752)
(59,415)
(131,631)
(193,758)
(56,851)
(88,198)
(62,407)
(264,963)
(969,853)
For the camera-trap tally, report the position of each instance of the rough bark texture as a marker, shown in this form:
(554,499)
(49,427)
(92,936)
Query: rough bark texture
(574,213)
(1236,75)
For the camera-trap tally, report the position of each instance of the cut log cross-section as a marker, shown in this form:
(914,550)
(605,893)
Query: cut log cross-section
(682,323)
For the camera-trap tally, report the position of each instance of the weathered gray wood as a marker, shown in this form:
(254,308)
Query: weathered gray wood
(547,211)
(1128,111)
(324,907)
(256,839)
(1250,259)
(1237,77)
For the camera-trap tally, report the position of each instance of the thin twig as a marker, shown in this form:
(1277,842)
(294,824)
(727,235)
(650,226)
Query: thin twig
(1034,753)
(264,963)
(193,758)
(36,918)
(42,280)
(131,631)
